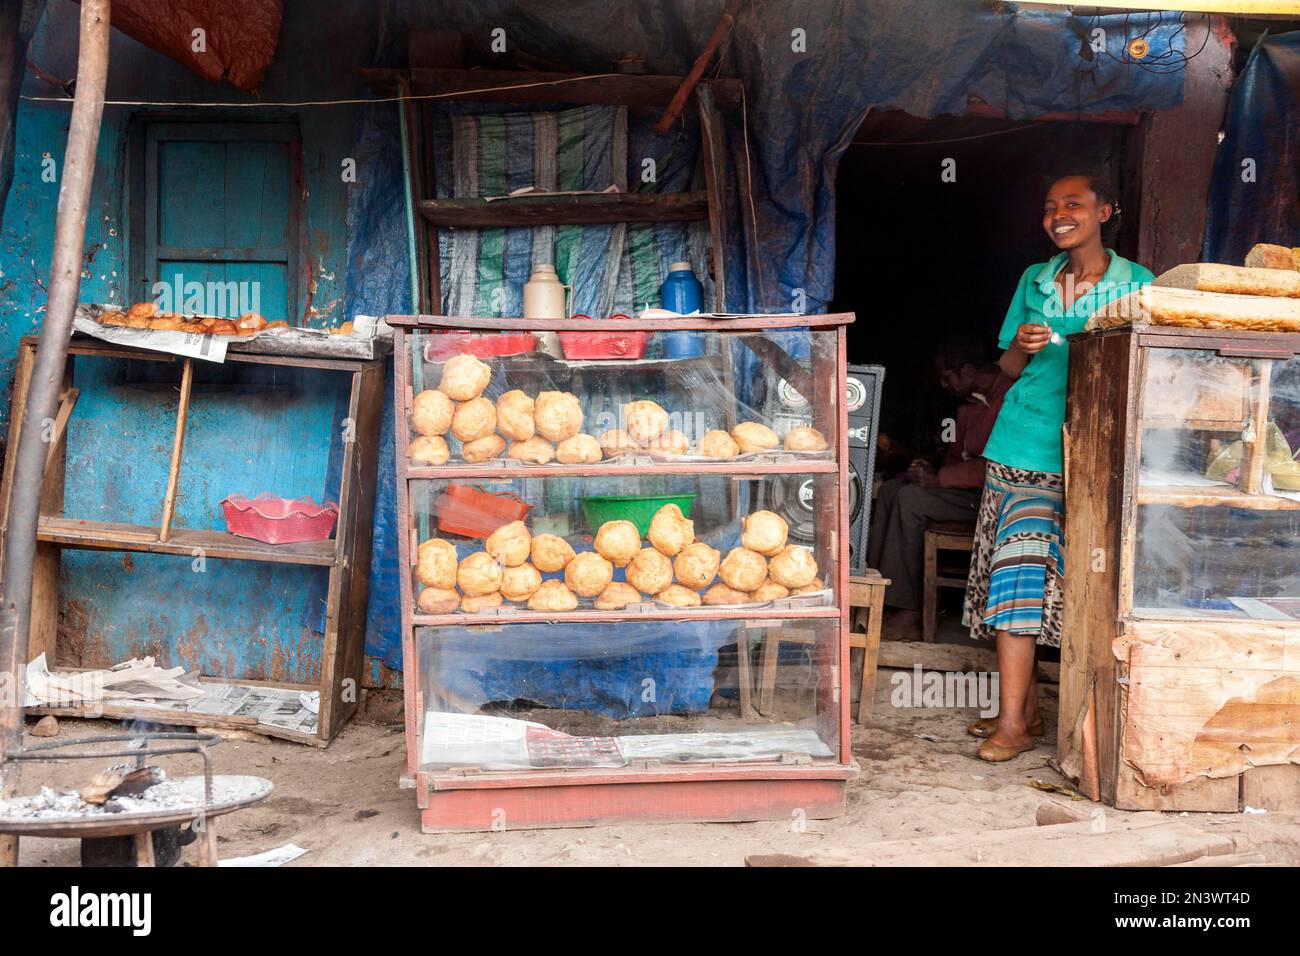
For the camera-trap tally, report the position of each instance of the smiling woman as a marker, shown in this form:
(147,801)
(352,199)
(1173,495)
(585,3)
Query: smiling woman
(1015,587)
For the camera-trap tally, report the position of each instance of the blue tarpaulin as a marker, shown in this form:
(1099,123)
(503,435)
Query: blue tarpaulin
(1254,195)
(811,71)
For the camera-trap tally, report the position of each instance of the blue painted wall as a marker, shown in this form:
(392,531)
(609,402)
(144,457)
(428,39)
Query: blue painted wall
(250,430)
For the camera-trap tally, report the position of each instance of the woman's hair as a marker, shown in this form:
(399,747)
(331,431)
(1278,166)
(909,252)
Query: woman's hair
(1101,188)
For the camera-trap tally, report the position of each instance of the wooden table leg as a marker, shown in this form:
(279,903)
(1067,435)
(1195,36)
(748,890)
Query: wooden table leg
(875,622)
(208,844)
(144,848)
(744,676)
(767,677)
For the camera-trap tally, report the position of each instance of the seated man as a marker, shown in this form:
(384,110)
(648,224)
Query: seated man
(950,492)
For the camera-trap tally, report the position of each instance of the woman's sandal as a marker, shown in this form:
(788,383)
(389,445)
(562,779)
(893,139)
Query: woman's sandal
(985,726)
(997,753)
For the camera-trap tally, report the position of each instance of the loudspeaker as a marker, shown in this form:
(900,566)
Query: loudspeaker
(791,496)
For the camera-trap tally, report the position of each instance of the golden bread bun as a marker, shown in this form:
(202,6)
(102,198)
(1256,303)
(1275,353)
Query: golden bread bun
(472,604)
(644,421)
(717,444)
(437,600)
(794,567)
(551,553)
(553,596)
(464,377)
(429,450)
(650,571)
(483,449)
(670,443)
(671,531)
(617,596)
(578,450)
(474,419)
(167,323)
(142,310)
(743,569)
(616,441)
(764,532)
(768,591)
(721,594)
(558,415)
(509,544)
(515,416)
(431,413)
(588,574)
(137,321)
(805,439)
(619,541)
(537,450)
(815,587)
(751,437)
(520,583)
(678,596)
(696,565)
(194,328)
(435,563)
(112,318)
(479,574)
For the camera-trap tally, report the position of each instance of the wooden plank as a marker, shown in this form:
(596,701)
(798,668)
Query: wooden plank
(114,536)
(952,658)
(586,209)
(748,323)
(713,155)
(1275,788)
(1252,469)
(1198,795)
(1182,496)
(1240,645)
(178,447)
(518,615)
(500,468)
(514,86)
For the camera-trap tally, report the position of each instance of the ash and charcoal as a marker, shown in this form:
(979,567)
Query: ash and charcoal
(170,796)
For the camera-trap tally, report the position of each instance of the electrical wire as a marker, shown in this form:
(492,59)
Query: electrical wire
(940,142)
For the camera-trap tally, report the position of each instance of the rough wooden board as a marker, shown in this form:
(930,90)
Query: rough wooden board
(1239,280)
(1249,645)
(951,658)
(1275,788)
(1146,842)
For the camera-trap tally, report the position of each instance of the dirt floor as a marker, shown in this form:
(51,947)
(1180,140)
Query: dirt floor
(919,778)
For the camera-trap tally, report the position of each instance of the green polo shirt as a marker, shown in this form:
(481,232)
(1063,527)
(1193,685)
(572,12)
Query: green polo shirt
(1028,430)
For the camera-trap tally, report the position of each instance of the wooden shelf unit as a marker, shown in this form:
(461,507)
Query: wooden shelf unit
(1190,707)
(346,554)
(467,798)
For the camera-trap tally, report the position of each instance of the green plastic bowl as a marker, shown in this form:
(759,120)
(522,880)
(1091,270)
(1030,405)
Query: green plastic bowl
(638,509)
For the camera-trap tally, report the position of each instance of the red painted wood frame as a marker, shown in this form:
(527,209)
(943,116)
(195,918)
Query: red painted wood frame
(469,800)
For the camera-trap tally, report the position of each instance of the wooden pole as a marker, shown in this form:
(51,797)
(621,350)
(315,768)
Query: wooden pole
(43,394)
(678,102)
(178,446)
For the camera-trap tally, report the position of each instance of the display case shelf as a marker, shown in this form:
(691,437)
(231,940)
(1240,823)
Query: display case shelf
(1212,497)
(570,683)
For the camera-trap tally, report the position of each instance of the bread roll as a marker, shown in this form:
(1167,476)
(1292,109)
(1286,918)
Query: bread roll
(768,591)
(437,600)
(428,450)
(803,438)
(515,416)
(558,415)
(670,443)
(474,419)
(520,583)
(510,544)
(472,604)
(717,444)
(479,574)
(794,567)
(464,377)
(644,421)
(431,413)
(617,596)
(578,450)
(721,594)
(678,596)
(697,565)
(650,571)
(742,569)
(670,530)
(551,553)
(616,441)
(764,532)
(435,563)
(588,574)
(553,596)
(536,450)
(753,437)
(483,449)
(618,541)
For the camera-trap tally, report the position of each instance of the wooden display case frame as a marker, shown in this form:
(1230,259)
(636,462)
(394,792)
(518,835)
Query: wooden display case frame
(460,799)
(346,554)
(1145,698)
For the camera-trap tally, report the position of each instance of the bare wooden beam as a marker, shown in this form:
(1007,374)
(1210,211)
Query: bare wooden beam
(516,86)
(697,70)
(567,210)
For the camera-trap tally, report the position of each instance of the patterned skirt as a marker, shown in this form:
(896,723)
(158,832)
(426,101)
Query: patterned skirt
(1017,562)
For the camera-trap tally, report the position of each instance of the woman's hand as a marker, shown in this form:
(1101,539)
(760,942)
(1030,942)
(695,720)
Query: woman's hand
(1031,338)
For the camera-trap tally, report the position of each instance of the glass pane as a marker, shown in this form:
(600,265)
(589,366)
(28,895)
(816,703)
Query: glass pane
(595,695)
(1219,487)
(740,399)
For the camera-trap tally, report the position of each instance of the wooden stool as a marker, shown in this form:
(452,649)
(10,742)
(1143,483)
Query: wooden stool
(943,536)
(866,595)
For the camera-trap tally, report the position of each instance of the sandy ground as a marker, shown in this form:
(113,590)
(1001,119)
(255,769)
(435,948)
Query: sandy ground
(344,805)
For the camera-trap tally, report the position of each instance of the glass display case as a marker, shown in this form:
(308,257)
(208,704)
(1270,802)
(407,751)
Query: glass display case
(1182,615)
(602,543)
